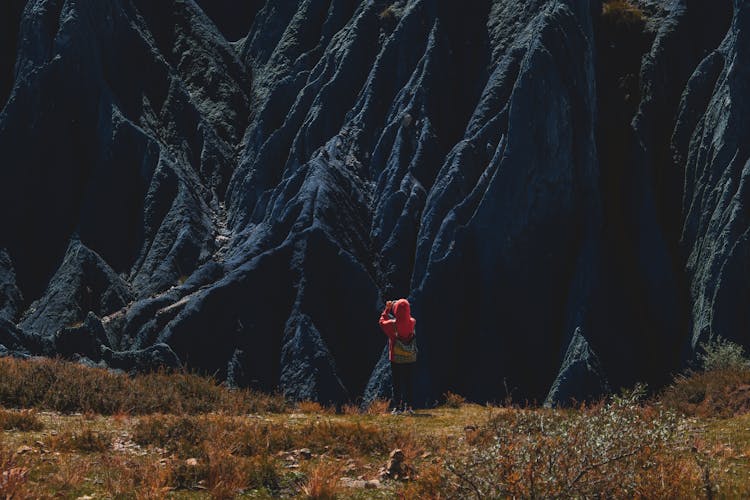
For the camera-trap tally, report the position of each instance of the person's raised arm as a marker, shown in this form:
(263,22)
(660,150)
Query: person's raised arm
(387,324)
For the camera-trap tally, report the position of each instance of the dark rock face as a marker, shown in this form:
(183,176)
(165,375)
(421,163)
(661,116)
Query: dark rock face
(83,284)
(581,376)
(714,140)
(10,20)
(10,296)
(233,17)
(559,192)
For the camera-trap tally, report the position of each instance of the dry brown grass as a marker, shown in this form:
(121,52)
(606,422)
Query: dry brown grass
(313,407)
(14,474)
(620,448)
(24,420)
(123,475)
(378,407)
(452,400)
(351,409)
(716,393)
(323,482)
(70,474)
(84,441)
(69,387)
(187,436)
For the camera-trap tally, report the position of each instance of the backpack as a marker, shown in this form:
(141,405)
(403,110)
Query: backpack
(404,352)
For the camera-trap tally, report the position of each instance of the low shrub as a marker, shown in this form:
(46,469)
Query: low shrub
(723,354)
(122,475)
(182,435)
(378,407)
(323,482)
(622,12)
(452,400)
(14,474)
(352,438)
(312,407)
(715,393)
(24,421)
(610,450)
(69,387)
(86,441)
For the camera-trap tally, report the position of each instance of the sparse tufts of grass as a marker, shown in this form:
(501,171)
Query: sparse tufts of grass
(378,407)
(323,482)
(312,407)
(123,475)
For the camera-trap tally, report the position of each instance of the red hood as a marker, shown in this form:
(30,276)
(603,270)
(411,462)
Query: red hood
(404,322)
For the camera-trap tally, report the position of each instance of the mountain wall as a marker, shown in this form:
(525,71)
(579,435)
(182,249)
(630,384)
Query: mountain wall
(558,186)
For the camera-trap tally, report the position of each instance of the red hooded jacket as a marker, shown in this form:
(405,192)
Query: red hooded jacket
(402,326)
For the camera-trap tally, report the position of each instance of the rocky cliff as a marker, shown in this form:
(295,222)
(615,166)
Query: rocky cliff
(558,186)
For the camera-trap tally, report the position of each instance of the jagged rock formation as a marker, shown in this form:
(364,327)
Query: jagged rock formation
(557,186)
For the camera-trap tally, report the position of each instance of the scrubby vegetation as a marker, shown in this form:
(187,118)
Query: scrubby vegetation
(67,387)
(623,13)
(720,389)
(723,354)
(674,445)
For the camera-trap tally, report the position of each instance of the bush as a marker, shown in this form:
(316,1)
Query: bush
(454,400)
(69,387)
(123,474)
(378,407)
(622,12)
(23,421)
(722,354)
(610,450)
(715,393)
(323,482)
(312,407)
(14,474)
(86,441)
(182,435)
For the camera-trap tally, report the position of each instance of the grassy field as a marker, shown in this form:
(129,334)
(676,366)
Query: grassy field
(75,432)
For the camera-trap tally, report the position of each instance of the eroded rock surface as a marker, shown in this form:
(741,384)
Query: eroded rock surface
(558,191)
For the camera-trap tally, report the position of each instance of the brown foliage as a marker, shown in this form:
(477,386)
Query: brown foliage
(69,387)
(378,407)
(124,475)
(323,482)
(453,400)
(717,393)
(616,449)
(313,407)
(622,12)
(24,421)
(14,473)
(86,441)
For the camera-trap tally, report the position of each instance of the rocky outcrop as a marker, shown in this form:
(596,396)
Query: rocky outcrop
(11,300)
(83,284)
(713,139)
(557,186)
(581,376)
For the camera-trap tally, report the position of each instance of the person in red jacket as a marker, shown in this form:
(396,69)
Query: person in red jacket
(398,325)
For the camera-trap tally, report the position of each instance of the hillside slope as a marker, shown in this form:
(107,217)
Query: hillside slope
(558,187)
